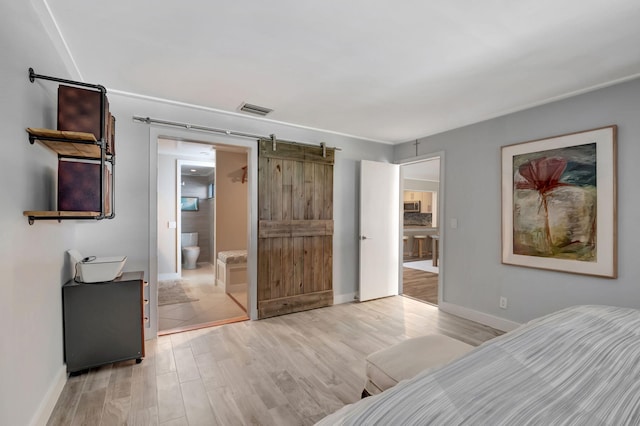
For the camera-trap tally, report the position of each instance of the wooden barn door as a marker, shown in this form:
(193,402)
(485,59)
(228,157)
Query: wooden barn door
(295,228)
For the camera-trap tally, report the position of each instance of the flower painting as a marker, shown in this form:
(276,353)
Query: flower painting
(559,203)
(554,203)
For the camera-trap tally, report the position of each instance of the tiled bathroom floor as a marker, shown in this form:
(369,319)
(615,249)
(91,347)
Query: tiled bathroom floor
(213,304)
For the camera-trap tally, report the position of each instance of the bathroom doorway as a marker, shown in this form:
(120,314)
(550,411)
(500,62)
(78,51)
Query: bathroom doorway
(190,294)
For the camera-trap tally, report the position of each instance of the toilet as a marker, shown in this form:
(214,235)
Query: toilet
(190,250)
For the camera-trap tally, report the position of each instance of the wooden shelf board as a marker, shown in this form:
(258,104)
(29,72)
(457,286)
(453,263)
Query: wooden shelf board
(63,134)
(60,214)
(85,147)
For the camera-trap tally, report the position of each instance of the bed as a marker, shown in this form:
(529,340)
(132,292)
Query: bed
(577,366)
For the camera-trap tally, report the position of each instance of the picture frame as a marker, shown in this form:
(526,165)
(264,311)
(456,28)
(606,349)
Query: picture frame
(189,204)
(559,203)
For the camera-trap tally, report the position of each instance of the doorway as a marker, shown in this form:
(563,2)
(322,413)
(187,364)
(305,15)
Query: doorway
(189,294)
(421,195)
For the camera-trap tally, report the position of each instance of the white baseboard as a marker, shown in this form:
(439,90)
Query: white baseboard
(477,316)
(339,299)
(48,403)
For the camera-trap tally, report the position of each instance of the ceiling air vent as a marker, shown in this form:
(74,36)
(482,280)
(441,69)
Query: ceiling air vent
(254,109)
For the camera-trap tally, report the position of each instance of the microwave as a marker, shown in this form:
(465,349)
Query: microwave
(412,206)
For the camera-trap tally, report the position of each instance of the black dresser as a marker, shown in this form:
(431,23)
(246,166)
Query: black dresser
(103,322)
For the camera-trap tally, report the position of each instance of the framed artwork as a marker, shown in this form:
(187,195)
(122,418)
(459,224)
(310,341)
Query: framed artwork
(559,203)
(189,204)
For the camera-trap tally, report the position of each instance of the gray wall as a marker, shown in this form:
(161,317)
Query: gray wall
(168,211)
(32,258)
(474,277)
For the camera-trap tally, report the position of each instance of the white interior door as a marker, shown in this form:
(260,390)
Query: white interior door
(379,229)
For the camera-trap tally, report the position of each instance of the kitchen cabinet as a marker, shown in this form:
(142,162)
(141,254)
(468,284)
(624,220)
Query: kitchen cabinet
(425,198)
(103,322)
(426,204)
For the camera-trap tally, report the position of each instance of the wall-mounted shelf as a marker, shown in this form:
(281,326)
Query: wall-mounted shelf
(33,215)
(67,144)
(84,146)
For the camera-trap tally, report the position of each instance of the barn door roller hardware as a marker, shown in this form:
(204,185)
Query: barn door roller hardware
(271,137)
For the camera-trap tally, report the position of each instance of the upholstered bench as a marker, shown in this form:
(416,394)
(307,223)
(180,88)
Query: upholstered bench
(404,360)
(231,269)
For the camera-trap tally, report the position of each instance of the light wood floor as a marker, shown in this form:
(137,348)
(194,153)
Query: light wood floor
(289,370)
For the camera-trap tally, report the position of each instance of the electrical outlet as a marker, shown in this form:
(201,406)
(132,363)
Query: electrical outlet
(503,302)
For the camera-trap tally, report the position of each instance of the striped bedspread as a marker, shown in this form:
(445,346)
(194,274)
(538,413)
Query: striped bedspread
(579,366)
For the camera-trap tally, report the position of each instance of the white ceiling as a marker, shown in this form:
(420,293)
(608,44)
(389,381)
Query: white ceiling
(384,70)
